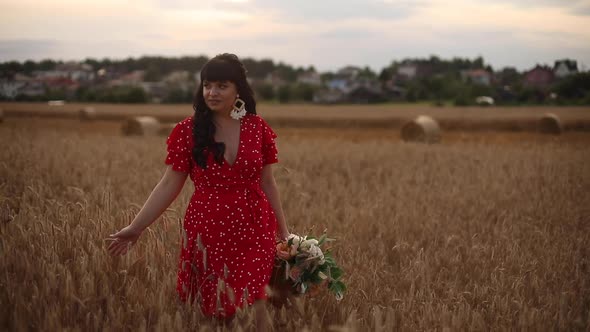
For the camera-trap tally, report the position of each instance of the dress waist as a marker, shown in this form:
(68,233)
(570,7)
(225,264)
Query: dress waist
(228,188)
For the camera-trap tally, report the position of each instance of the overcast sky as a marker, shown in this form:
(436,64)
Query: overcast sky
(328,34)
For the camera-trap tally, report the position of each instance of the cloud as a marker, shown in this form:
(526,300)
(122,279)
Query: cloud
(28,49)
(578,7)
(334,10)
(582,9)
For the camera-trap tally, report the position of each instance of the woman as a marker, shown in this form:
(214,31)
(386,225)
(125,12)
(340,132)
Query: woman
(235,214)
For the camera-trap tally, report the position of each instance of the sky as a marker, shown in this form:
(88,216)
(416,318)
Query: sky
(328,34)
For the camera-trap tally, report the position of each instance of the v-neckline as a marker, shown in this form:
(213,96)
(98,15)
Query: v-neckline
(239,148)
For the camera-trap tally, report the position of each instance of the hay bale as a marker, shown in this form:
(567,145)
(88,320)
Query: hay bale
(166,129)
(422,129)
(550,124)
(141,126)
(87,114)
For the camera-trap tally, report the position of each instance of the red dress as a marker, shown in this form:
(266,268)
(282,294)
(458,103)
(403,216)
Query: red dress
(228,244)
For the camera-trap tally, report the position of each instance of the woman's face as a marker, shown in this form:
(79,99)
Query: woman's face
(220,95)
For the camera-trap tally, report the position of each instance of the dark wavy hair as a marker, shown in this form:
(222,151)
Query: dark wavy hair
(222,68)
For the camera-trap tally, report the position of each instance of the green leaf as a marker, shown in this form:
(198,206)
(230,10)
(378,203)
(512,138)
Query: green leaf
(330,260)
(315,277)
(322,239)
(337,287)
(335,272)
(342,286)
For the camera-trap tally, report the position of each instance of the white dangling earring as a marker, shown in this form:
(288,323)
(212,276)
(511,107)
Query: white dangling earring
(239,109)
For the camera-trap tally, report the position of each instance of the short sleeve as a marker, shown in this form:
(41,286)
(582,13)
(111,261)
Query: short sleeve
(269,147)
(179,152)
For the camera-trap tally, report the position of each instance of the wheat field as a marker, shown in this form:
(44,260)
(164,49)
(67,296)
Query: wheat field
(486,231)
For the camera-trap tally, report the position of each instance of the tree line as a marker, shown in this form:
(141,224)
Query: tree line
(443,83)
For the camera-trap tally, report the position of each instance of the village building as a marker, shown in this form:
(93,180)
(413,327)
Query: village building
(564,68)
(310,77)
(134,78)
(477,76)
(409,71)
(540,77)
(275,80)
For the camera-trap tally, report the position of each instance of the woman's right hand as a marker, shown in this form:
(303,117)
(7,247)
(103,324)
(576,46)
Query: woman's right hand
(123,240)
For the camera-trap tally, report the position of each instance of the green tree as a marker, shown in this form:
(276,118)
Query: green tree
(284,94)
(47,64)
(302,91)
(153,73)
(574,87)
(265,91)
(178,96)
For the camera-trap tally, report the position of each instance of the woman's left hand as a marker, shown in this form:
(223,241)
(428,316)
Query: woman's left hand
(122,240)
(284,236)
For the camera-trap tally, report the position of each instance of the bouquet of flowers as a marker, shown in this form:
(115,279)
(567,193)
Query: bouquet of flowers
(307,266)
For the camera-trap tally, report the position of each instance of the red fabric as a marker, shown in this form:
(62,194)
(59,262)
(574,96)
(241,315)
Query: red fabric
(228,244)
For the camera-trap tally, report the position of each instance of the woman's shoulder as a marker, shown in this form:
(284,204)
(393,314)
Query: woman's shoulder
(255,118)
(187,122)
(182,130)
(185,126)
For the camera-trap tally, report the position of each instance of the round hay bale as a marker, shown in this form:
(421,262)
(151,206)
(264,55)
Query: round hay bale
(422,129)
(166,129)
(550,124)
(87,114)
(141,126)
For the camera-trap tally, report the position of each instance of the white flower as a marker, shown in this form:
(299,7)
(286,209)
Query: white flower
(308,243)
(295,242)
(316,252)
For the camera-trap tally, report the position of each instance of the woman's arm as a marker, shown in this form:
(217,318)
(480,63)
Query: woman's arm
(159,200)
(269,186)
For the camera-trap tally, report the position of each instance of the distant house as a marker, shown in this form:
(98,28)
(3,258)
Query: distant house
(50,74)
(80,72)
(477,76)
(345,79)
(340,83)
(62,83)
(348,86)
(391,91)
(157,90)
(310,77)
(350,72)
(360,91)
(10,89)
(134,78)
(329,96)
(365,95)
(275,80)
(179,79)
(539,77)
(409,71)
(32,89)
(564,68)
